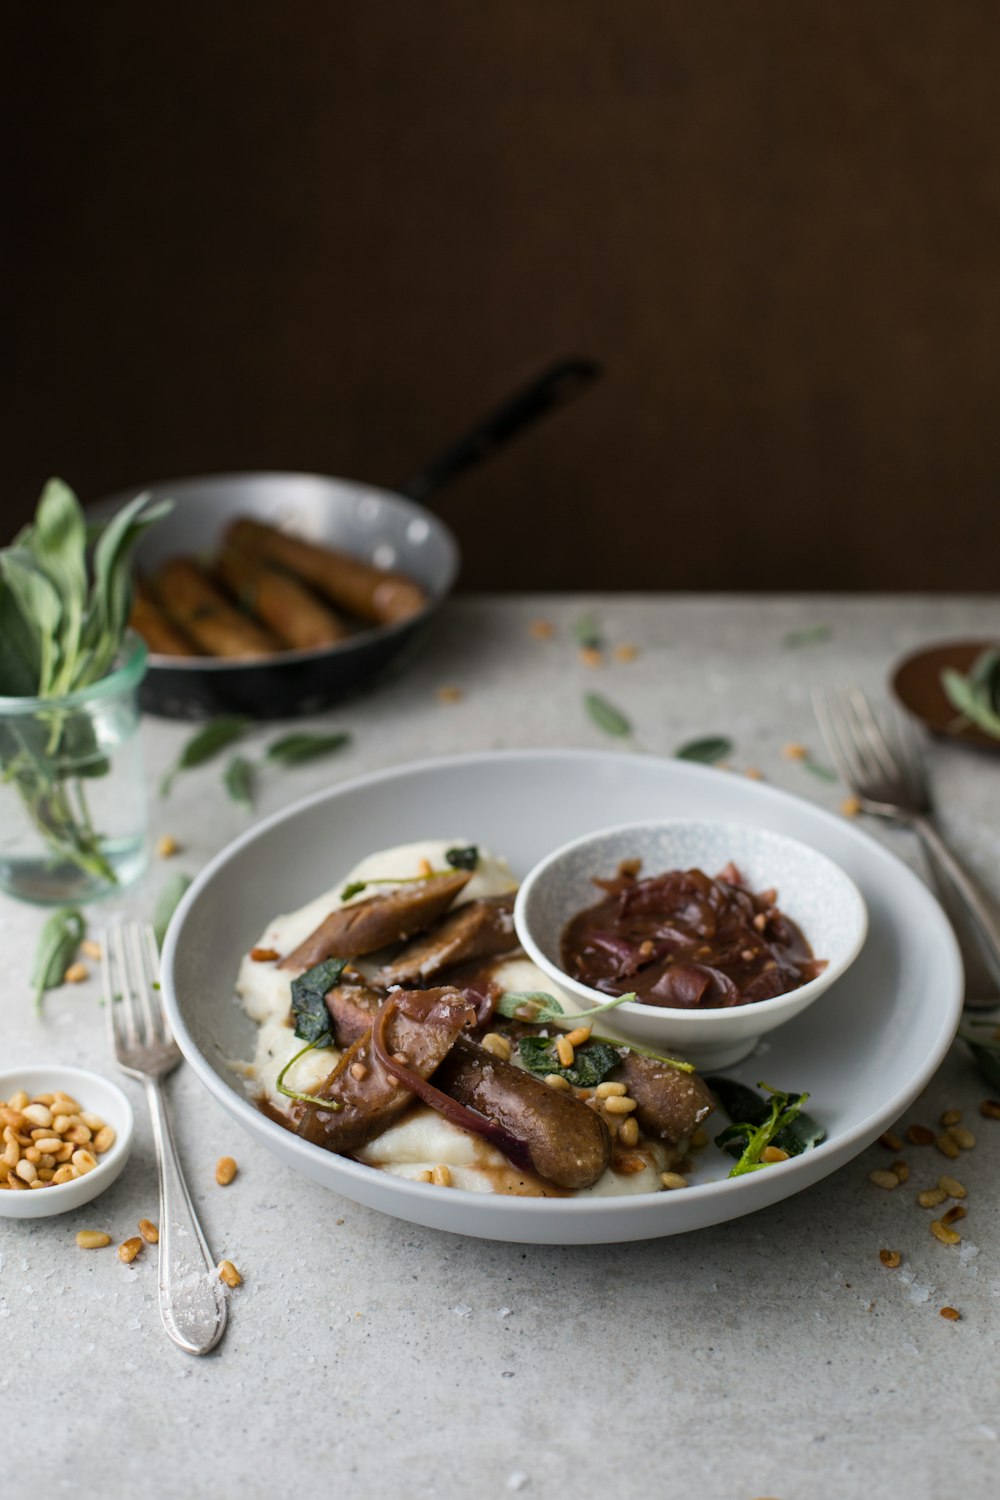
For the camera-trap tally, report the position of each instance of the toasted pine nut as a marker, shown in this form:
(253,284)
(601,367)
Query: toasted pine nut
(228,1273)
(620,1104)
(92,1121)
(11,1154)
(952,1187)
(12,1118)
(952,1314)
(65,1173)
(673,1180)
(64,1104)
(26,1170)
(699,1137)
(990,1109)
(629,1132)
(104,1139)
(901,1170)
(498,1045)
(773,1153)
(565,1052)
(890,1142)
(65,1151)
(441,1175)
(76,973)
(84,1161)
(947,1145)
(264,955)
(19,1100)
(359,1071)
(950,1117)
(890,1258)
(37,1114)
(962,1136)
(80,1135)
(225,1170)
(919,1135)
(578,1036)
(610,1090)
(423,1176)
(943,1233)
(48,1142)
(92,1239)
(850,807)
(62,1123)
(93,950)
(149,1231)
(130,1249)
(794,751)
(628,1164)
(931,1197)
(542,630)
(887,1180)
(166,846)
(955,1212)
(33,1154)
(556,1081)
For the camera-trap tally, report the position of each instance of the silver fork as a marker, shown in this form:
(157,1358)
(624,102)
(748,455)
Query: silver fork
(887,777)
(192,1302)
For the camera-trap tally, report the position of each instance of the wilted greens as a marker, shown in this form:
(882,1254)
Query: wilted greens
(758,1123)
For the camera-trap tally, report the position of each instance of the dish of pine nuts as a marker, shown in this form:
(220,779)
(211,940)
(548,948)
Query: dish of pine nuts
(49,1139)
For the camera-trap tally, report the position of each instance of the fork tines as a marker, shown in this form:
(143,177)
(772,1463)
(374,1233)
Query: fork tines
(880,765)
(130,972)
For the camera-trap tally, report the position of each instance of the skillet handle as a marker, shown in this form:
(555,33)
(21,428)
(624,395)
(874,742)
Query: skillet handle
(558,384)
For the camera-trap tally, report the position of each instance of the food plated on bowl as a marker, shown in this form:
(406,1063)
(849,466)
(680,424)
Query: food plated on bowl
(710,963)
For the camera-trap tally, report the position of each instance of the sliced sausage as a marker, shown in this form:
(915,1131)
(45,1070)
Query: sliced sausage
(352,1008)
(365,926)
(478,929)
(670,1103)
(422,1027)
(568,1144)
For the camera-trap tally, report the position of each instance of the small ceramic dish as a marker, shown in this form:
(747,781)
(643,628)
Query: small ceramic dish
(95,1095)
(813,891)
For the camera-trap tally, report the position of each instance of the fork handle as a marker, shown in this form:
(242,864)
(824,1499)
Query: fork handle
(193,1305)
(984,918)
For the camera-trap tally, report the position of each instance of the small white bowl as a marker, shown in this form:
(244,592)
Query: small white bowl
(813,891)
(95,1095)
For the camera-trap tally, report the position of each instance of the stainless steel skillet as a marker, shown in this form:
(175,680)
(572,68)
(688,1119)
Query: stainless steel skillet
(392,529)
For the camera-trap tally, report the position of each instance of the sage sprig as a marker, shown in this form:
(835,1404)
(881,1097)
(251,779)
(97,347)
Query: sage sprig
(976,695)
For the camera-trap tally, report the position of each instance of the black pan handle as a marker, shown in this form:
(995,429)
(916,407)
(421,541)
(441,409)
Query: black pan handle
(558,384)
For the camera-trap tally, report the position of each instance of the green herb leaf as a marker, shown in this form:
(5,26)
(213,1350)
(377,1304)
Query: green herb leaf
(462,859)
(985,1049)
(592,1063)
(111,594)
(535,1006)
(587,630)
(239,781)
(333,1105)
(811,635)
(58,941)
(706,751)
(538,1008)
(210,740)
(309,992)
(823,772)
(167,903)
(606,716)
(296,749)
(353,888)
(976,696)
(759,1123)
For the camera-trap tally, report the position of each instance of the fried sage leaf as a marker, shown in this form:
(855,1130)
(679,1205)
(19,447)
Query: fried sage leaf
(592,1063)
(309,992)
(758,1123)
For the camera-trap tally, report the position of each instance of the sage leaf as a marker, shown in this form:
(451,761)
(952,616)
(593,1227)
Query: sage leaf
(295,749)
(606,716)
(758,1123)
(462,859)
(239,781)
(210,740)
(592,1062)
(309,992)
(985,1048)
(973,697)
(167,903)
(58,941)
(706,751)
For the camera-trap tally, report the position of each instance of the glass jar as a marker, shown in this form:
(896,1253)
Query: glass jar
(73,789)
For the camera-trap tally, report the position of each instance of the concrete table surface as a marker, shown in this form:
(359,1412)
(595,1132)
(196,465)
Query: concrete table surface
(772,1356)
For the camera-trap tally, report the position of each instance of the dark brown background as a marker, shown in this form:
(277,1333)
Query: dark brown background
(319,235)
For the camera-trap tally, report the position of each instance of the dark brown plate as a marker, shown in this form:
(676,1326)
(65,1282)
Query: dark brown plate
(916,682)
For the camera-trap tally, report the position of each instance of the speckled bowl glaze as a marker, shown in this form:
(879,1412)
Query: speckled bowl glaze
(812,890)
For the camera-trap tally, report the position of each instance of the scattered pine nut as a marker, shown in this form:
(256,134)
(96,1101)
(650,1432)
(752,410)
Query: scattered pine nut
(990,1109)
(890,1142)
(944,1234)
(919,1135)
(564,1051)
(225,1170)
(128,1251)
(76,973)
(104,1139)
(950,1117)
(358,1071)
(167,846)
(591,656)
(441,1175)
(952,1314)
(92,1239)
(890,1258)
(931,1197)
(948,1146)
(901,1170)
(149,1231)
(752,774)
(629,1132)
(962,1136)
(556,1081)
(83,1161)
(542,630)
(850,807)
(620,1104)
(671,1180)
(952,1187)
(449,694)
(794,751)
(229,1274)
(498,1045)
(773,1153)
(955,1212)
(628,1164)
(887,1180)
(610,1090)
(93,950)
(578,1036)
(627,651)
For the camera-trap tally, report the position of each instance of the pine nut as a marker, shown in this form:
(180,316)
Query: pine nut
(76,973)
(628,1164)
(950,1117)
(19,1100)
(64,1104)
(699,1137)
(952,1314)
(48,1142)
(358,1071)
(610,1090)
(773,1153)
(901,1170)
(38,1114)
(92,1239)
(149,1231)
(952,1187)
(11,1154)
(556,1081)
(962,1136)
(45,1174)
(629,1132)
(441,1175)
(931,1197)
(850,807)
(620,1104)
(944,1234)
(128,1251)
(947,1145)
(225,1170)
(671,1180)
(93,1122)
(62,1174)
(33,1154)
(229,1274)
(80,1135)
(887,1180)
(65,1152)
(104,1139)
(565,1052)
(12,1118)
(955,1212)
(62,1123)
(919,1135)
(498,1045)
(990,1109)
(83,1161)
(890,1142)
(167,846)
(26,1170)
(92,950)
(890,1258)
(578,1036)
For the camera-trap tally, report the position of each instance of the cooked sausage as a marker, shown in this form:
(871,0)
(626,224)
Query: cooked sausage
(295,615)
(218,627)
(370,593)
(670,1103)
(365,926)
(478,929)
(568,1143)
(352,1009)
(423,1026)
(155,625)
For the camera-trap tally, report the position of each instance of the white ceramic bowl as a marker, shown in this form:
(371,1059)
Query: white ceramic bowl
(97,1096)
(813,891)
